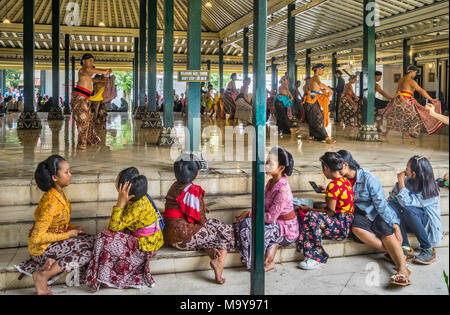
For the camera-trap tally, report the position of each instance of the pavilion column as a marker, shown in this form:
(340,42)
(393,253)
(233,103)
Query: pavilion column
(406,55)
(136,74)
(291,47)
(165,139)
(438,80)
(142,109)
(333,86)
(152,118)
(259,144)
(55,49)
(221,83)
(274,71)
(368,131)
(245,53)
(2,81)
(74,69)
(28,119)
(67,74)
(308,62)
(43,82)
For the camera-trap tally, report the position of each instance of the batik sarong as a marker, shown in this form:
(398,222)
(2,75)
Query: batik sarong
(117,262)
(243,234)
(316,226)
(349,115)
(81,113)
(317,120)
(70,254)
(244,110)
(229,104)
(213,234)
(284,124)
(99,114)
(406,115)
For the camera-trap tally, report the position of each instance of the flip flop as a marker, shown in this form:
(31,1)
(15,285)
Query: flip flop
(400,280)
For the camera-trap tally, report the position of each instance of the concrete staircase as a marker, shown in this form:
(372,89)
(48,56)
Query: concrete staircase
(228,193)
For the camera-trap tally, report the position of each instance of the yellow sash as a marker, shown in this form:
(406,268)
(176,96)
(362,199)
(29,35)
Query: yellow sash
(97,97)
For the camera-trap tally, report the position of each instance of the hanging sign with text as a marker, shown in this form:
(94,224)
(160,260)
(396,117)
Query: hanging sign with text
(193,76)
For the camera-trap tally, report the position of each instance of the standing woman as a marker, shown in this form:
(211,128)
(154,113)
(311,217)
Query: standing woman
(230,96)
(283,107)
(350,105)
(244,107)
(54,243)
(281,228)
(416,199)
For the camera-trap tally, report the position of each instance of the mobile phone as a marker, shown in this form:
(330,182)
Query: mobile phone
(314,186)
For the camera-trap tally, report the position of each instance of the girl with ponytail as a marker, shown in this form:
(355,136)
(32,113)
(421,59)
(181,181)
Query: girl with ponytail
(133,237)
(54,243)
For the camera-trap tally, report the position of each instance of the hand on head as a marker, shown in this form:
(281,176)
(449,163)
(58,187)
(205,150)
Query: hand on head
(124,195)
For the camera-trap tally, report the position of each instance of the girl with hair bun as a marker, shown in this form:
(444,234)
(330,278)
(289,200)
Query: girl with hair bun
(281,228)
(333,222)
(350,105)
(122,254)
(187,227)
(54,243)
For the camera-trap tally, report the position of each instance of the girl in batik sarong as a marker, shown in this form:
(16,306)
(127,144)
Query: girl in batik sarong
(186,225)
(244,108)
(405,114)
(333,222)
(54,243)
(281,223)
(122,254)
(283,107)
(350,106)
(230,96)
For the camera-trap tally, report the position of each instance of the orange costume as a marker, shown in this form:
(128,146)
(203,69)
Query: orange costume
(317,119)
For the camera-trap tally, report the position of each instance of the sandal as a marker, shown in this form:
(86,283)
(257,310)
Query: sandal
(400,280)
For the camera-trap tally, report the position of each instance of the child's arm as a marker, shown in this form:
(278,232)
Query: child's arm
(118,221)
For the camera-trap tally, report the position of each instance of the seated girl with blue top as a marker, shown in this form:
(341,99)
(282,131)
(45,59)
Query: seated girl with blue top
(416,200)
(283,107)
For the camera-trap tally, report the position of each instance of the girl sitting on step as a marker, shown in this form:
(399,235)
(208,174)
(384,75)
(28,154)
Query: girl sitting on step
(54,243)
(333,222)
(122,254)
(187,227)
(281,228)
(416,200)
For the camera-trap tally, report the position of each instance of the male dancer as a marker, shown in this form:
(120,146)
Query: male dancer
(318,97)
(81,108)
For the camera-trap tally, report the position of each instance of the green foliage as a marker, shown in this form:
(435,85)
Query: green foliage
(446,281)
(124,81)
(214,80)
(13,78)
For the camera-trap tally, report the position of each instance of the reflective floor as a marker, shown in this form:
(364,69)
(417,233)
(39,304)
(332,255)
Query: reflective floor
(125,144)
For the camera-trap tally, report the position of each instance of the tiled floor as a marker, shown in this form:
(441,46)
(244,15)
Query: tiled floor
(125,144)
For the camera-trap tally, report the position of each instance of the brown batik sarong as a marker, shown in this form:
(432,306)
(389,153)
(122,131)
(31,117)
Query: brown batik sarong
(347,113)
(229,104)
(82,115)
(406,115)
(99,114)
(70,254)
(214,234)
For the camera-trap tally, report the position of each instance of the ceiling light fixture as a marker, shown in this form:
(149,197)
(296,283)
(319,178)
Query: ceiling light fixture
(101,24)
(208,4)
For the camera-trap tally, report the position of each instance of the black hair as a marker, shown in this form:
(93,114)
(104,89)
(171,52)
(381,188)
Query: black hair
(233,75)
(334,161)
(45,171)
(139,183)
(348,158)
(377,73)
(424,181)
(284,159)
(186,168)
(247,79)
(339,72)
(351,77)
(85,57)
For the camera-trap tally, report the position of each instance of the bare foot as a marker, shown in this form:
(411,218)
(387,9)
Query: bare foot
(40,283)
(48,264)
(269,267)
(81,147)
(218,269)
(310,138)
(330,141)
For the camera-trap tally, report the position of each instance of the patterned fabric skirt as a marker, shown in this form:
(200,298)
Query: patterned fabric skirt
(348,114)
(81,113)
(99,114)
(213,234)
(70,254)
(314,116)
(244,110)
(118,263)
(243,233)
(404,118)
(229,106)
(316,226)
(284,124)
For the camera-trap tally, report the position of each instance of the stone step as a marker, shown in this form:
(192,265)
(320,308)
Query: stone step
(16,221)
(169,260)
(218,182)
